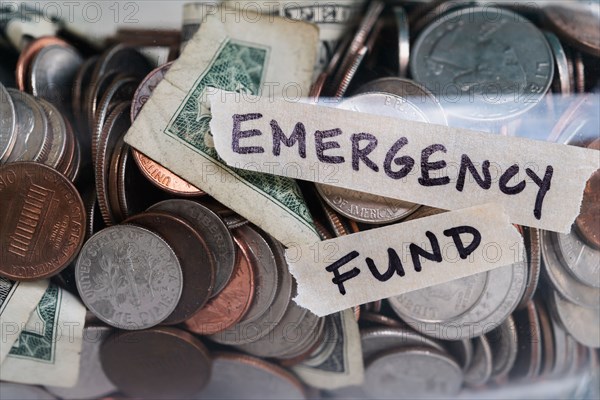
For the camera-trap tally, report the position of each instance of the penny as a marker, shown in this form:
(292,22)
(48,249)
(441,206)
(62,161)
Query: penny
(480,370)
(588,221)
(218,238)
(582,261)
(43,221)
(58,128)
(146,87)
(52,72)
(229,306)
(580,322)
(129,277)
(92,383)
(375,341)
(32,142)
(8,130)
(548,355)
(578,27)
(163,178)
(196,260)
(253,378)
(18,391)
(158,363)
(412,372)
(379,319)
(29,53)
(504,346)
(529,356)
(534,258)
(560,60)
(492,79)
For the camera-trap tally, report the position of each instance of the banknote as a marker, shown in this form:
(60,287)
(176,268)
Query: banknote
(340,362)
(47,350)
(17,302)
(257,55)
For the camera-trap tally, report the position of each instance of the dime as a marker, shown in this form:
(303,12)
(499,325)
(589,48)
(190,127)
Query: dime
(218,238)
(480,370)
(412,372)
(238,376)
(196,260)
(588,221)
(8,130)
(52,72)
(92,383)
(129,277)
(529,356)
(578,27)
(58,128)
(158,363)
(43,221)
(503,342)
(375,341)
(582,261)
(580,322)
(229,306)
(489,80)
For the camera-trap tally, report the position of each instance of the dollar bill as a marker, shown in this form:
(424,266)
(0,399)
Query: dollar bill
(339,362)
(17,302)
(48,349)
(256,55)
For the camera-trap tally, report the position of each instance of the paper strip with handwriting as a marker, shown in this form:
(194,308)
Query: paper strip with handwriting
(539,184)
(340,273)
(246,53)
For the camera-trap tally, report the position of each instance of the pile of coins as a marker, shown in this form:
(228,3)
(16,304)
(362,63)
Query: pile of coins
(187,299)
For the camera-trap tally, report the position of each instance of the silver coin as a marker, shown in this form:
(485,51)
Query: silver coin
(535,265)
(217,236)
(462,351)
(560,344)
(92,383)
(412,373)
(59,133)
(375,341)
(403,40)
(476,58)
(561,280)
(8,130)
(503,342)
(529,356)
(562,64)
(237,376)
(52,72)
(581,260)
(32,129)
(580,322)
(129,277)
(310,341)
(480,370)
(14,391)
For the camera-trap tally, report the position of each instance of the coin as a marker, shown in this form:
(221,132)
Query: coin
(580,322)
(588,221)
(561,62)
(82,80)
(218,238)
(488,80)
(158,363)
(548,354)
(582,261)
(534,258)
(122,58)
(410,373)
(503,343)
(375,341)
(93,95)
(403,40)
(253,378)
(196,260)
(304,347)
(120,89)
(29,53)
(8,130)
(129,277)
(115,174)
(32,142)
(43,221)
(379,319)
(58,128)
(560,345)
(529,356)
(462,351)
(52,72)
(480,370)
(146,87)
(92,383)
(229,306)
(578,27)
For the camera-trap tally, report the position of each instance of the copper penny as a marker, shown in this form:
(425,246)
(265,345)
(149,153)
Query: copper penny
(158,363)
(228,307)
(588,221)
(43,221)
(197,262)
(29,53)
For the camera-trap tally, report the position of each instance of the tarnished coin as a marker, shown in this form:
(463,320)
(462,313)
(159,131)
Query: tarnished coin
(43,221)
(529,356)
(218,238)
(32,142)
(503,342)
(52,72)
(582,261)
(8,130)
(588,221)
(228,307)
(480,370)
(92,383)
(580,322)
(578,27)
(58,129)
(238,376)
(196,260)
(410,373)
(129,277)
(375,341)
(477,57)
(158,363)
